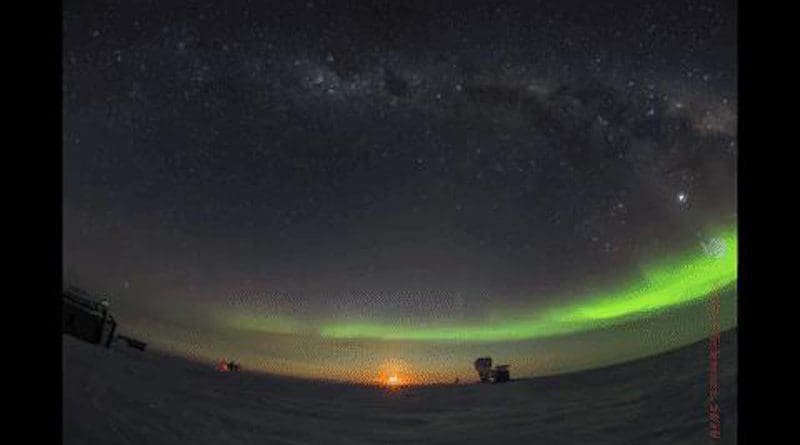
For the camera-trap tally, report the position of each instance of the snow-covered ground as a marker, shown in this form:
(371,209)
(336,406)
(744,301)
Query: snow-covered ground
(120,395)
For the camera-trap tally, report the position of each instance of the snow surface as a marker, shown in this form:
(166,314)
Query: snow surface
(124,396)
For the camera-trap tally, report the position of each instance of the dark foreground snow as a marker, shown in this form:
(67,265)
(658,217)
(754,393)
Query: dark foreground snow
(121,396)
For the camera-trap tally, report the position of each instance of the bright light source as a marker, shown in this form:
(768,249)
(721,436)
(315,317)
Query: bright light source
(714,247)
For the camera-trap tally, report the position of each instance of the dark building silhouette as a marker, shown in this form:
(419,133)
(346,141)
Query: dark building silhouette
(499,374)
(484,367)
(87,319)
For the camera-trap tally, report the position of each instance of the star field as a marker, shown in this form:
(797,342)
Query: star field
(302,165)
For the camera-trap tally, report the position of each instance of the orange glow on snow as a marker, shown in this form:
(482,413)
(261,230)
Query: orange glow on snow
(395,373)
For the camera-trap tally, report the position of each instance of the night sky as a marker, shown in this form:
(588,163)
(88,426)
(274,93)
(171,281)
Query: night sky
(334,189)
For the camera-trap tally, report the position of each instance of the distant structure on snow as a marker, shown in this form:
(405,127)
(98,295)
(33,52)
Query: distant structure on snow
(228,366)
(499,374)
(132,342)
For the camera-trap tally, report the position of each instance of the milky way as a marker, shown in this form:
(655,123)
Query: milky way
(307,184)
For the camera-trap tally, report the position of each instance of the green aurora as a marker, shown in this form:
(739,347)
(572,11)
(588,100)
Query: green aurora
(666,285)
(658,310)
